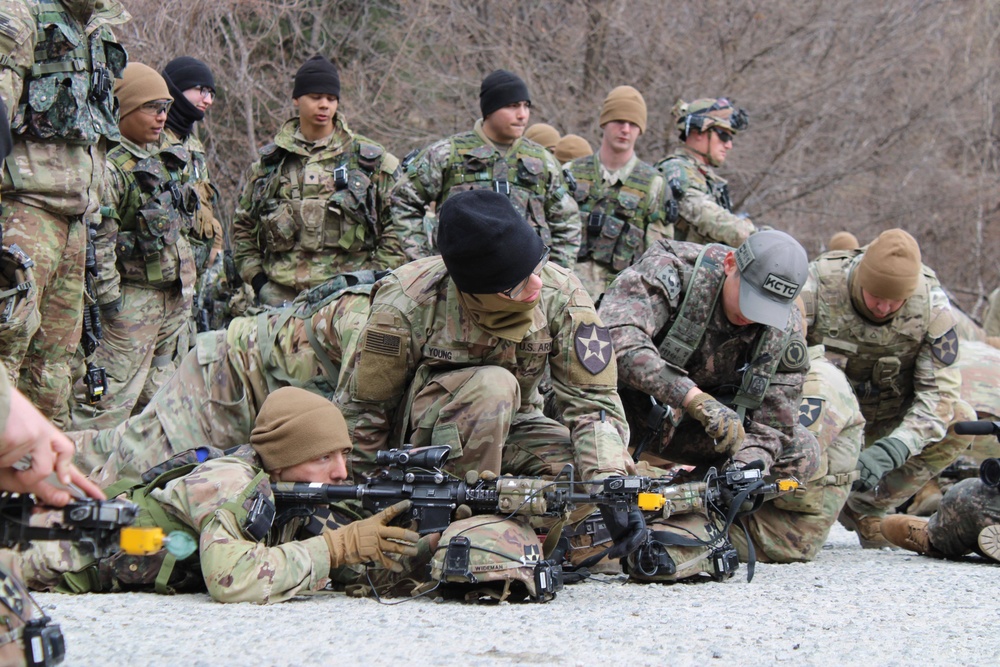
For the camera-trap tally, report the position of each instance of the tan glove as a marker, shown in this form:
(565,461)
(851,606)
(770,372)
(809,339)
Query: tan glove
(720,422)
(371,540)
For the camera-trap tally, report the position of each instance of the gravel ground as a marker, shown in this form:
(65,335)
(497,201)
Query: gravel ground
(847,607)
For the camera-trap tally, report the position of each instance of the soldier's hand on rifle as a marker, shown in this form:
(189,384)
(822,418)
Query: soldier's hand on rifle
(372,540)
(29,436)
(720,422)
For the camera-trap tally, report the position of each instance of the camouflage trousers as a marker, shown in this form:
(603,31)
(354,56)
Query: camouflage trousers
(40,358)
(205,403)
(43,563)
(966,509)
(476,411)
(900,484)
(141,348)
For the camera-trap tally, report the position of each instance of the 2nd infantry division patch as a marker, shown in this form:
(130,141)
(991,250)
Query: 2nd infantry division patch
(593,347)
(945,348)
(809,411)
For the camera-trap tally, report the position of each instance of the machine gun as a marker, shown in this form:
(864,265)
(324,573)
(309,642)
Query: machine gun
(94,524)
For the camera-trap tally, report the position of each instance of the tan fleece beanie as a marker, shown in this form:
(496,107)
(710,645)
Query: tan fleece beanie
(624,103)
(543,134)
(295,426)
(571,147)
(140,84)
(843,241)
(890,268)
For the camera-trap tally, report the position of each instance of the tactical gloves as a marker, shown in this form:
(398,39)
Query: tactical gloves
(720,422)
(884,455)
(372,539)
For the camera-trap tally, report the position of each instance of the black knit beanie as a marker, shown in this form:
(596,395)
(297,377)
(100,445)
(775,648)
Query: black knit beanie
(317,76)
(499,89)
(485,243)
(187,72)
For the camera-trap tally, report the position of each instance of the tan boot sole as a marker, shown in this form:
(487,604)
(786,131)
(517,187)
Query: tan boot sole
(989,541)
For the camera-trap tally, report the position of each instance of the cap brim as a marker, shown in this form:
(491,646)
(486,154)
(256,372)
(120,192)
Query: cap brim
(757,307)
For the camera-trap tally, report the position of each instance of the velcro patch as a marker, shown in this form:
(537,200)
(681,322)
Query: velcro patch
(777,285)
(592,343)
(382,342)
(809,411)
(945,348)
(795,357)
(744,257)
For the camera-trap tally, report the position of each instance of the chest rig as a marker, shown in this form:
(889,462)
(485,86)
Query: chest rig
(678,170)
(519,174)
(704,285)
(616,216)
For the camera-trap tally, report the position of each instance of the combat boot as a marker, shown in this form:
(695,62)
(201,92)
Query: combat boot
(910,533)
(926,501)
(866,526)
(989,542)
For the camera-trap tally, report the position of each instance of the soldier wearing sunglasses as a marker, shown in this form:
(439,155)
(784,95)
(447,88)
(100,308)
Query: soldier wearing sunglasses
(455,348)
(706,128)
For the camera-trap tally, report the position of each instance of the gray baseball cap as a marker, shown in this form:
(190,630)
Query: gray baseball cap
(773,268)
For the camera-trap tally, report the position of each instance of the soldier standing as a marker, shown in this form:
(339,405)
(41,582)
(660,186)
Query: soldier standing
(492,156)
(147,274)
(623,201)
(709,340)
(544,135)
(706,129)
(58,63)
(456,346)
(227,506)
(571,147)
(316,203)
(885,321)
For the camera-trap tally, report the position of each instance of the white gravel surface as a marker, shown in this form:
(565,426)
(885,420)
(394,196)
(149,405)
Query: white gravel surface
(849,606)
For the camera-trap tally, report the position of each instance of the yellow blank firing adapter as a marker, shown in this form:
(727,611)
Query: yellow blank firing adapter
(786,485)
(147,541)
(651,502)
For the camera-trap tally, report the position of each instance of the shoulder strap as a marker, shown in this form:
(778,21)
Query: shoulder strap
(686,332)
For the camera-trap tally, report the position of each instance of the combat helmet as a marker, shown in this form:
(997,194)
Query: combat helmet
(709,112)
(685,546)
(494,558)
(18,293)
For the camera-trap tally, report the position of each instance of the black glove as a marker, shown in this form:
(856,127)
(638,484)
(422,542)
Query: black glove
(628,530)
(875,462)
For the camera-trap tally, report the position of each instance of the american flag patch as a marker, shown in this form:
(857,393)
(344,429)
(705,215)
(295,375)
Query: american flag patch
(381,342)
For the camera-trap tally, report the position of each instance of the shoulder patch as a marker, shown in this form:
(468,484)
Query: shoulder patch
(945,348)
(795,357)
(671,281)
(592,360)
(592,344)
(809,411)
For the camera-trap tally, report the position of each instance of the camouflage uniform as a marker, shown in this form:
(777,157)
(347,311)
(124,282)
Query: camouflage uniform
(966,509)
(640,309)
(979,365)
(311,210)
(991,318)
(213,398)
(424,373)
(144,232)
(206,232)
(706,214)
(53,178)
(903,373)
(623,213)
(794,527)
(470,161)
(211,503)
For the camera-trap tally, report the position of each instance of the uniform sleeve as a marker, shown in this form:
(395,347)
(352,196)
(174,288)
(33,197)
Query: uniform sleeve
(237,569)
(248,250)
(589,401)
(108,282)
(6,389)
(375,378)
(657,226)
(562,216)
(636,308)
(713,221)
(936,379)
(419,185)
(389,254)
(17,48)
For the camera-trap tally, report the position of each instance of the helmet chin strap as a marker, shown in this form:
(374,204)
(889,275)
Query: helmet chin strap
(707,156)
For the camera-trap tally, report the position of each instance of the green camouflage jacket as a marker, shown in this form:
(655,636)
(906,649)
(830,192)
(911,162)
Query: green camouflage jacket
(206,233)
(469,160)
(903,371)
(311,210)
(418,308)
(705,210)
(57,162)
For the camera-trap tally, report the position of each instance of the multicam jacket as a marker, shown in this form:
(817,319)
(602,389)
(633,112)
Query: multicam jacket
(902,371)
(705,210)
(311,210)
(206,231)
(57,162)
(417,316)
(528,173)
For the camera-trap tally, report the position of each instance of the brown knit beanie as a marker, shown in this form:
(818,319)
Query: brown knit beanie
(295,426)
(571,147)
(624,103)
(543,134)
(843,241)
(140,84)
(890,268)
